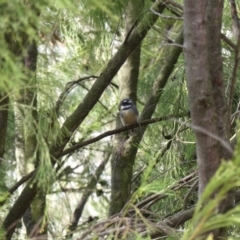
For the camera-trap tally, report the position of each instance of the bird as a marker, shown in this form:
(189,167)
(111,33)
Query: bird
(128,114)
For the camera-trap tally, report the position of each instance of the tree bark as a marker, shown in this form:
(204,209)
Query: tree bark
(130,70)
(122,162)
(204,72)
(4,101)
(205,82)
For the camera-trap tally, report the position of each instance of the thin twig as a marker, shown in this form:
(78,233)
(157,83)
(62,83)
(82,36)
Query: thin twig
(68,88)
(163,16)
(173,3)
(173,45)
(86,194)
(224,143)
(124,222)
(194,185)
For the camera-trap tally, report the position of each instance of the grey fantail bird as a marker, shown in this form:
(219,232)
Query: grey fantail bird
(129,114)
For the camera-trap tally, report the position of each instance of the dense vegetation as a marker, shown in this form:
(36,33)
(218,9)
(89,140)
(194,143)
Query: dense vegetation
(69,169)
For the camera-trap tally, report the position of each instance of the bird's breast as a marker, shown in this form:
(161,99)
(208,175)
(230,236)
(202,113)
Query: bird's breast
(129,117)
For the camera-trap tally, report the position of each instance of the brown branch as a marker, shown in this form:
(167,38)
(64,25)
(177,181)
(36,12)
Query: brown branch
(112,132)
(4,101)
(220,139)
(179,17)
(120,223)
(103,81)
(134,25)
(68,88)
(192,188)
(16,186)
(21,181)
(99,101)
(86,194)
(173,3)
(149,201)
(23,202)
(174,221)
(228,41)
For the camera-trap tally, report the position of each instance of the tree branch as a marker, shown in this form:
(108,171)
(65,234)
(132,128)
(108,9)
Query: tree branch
(228,41)
(112,132)
(68,87)
(86,194)
(192,188)
(4,100)
(125,224)
(16,186)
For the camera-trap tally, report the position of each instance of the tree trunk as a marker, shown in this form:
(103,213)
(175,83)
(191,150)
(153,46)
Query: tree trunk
(4,100)
(202,50)
(122,162)
(123,158)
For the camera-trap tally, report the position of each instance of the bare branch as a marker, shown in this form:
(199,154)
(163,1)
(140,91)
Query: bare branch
(68,88)
(173,3)
(17,185)
(21,181)
(86,194)
(126,221)
(194,185)
(228,41)
(163,16)
(224,143)
(112,132)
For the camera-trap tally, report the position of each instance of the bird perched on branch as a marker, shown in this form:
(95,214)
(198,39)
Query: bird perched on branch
(129,114)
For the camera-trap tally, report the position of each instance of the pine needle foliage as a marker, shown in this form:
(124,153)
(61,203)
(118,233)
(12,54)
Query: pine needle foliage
(75,41)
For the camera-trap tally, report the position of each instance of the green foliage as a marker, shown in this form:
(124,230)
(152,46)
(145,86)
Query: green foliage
(76,39)
(205,218)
